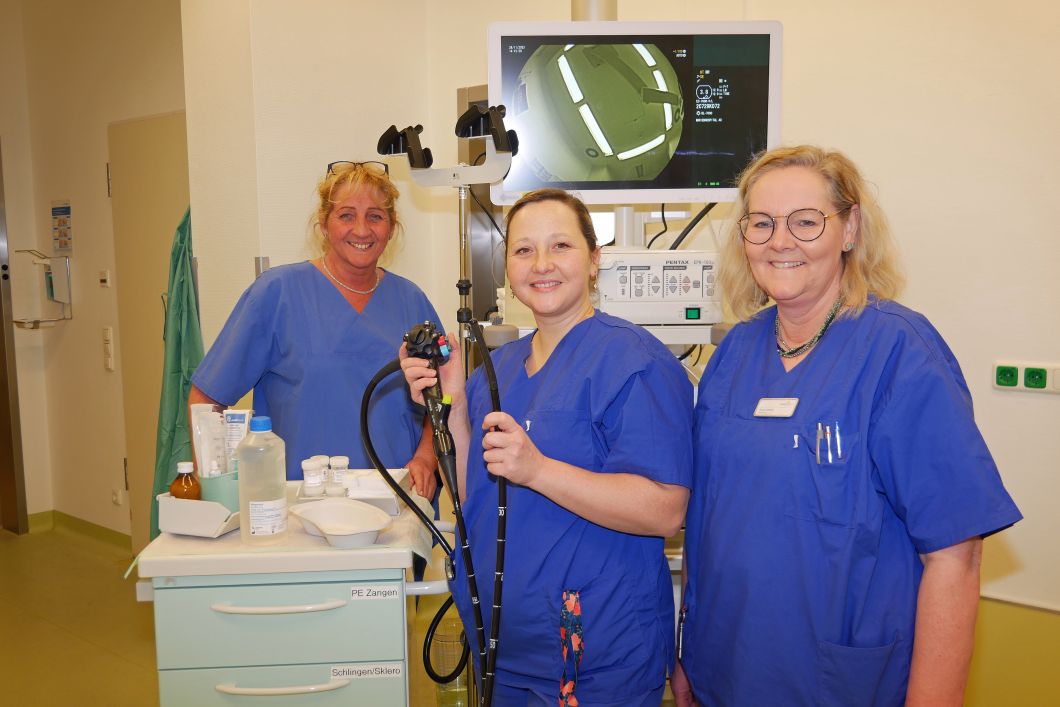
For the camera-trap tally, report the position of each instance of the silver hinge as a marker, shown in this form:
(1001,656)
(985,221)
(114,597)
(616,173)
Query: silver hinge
(108,179)
(125,464)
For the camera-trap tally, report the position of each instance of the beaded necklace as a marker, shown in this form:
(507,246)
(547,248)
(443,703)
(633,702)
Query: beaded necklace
(343,285)
(787,351)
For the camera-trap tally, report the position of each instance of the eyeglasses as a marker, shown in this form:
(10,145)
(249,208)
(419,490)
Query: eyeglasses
(805,224)
(373,165)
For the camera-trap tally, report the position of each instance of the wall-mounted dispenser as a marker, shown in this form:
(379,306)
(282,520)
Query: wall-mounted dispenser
(56,287)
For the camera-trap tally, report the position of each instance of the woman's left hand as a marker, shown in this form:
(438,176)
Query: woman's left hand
(424,482)
(508,450)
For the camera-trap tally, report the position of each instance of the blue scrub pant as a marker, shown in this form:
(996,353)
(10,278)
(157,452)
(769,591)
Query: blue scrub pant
(507,696)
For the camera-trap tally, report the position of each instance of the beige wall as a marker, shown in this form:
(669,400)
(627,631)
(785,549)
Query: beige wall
(22,221)
(82,66)
(940,104)
(947,106)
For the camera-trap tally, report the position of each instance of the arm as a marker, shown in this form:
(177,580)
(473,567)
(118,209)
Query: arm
(680,685)
(420,376)
(422,465)
(945,625)
(629,503)
(196,396)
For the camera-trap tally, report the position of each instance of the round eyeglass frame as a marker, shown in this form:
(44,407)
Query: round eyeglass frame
(745,219)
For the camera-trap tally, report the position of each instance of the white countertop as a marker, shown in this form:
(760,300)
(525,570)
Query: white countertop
(171,555)
(182,555)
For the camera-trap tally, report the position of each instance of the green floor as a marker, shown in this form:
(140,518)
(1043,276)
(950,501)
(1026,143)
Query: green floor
(72,631)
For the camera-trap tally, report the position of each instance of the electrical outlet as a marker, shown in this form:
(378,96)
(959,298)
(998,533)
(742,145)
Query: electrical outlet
(1027,376)
(117,496)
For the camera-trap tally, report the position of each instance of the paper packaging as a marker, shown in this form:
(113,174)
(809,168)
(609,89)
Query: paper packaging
(368,486)
(205,519)
(237,424)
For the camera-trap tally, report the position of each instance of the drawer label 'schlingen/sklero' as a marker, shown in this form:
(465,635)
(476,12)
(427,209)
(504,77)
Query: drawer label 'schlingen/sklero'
(374,591)
(368,670)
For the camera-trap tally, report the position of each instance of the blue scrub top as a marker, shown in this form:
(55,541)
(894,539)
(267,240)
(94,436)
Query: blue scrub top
(308,355)
(803,577)
(610,399)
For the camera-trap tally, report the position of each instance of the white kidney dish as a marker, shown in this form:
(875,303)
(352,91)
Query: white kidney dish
(344,522)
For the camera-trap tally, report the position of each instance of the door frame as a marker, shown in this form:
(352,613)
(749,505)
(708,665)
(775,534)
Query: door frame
(12,467)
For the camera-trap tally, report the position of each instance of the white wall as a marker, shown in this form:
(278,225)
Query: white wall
(946,106)
(74,68)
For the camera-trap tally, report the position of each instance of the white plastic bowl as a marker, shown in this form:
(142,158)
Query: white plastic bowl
(343,521)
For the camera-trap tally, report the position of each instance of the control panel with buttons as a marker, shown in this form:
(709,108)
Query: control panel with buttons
(651,287)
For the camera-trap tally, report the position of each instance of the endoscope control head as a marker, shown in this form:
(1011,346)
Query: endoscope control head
(425,341)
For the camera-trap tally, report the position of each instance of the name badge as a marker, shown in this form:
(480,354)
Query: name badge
(776,407)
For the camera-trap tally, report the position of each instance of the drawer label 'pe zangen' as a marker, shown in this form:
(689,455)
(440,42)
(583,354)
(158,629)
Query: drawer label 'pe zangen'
(374,591)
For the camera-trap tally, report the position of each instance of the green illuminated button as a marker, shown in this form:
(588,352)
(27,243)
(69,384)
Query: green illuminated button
(692,313)
(1007,376)
(1034,378)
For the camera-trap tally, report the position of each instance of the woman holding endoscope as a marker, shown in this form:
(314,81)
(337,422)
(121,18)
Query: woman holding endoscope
(595,442)
(307,337)
(842,488)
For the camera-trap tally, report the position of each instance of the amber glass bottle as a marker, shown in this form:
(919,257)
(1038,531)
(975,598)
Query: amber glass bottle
(186,485)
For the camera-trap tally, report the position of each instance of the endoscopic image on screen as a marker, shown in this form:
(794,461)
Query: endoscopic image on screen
(668,111)
(597,112)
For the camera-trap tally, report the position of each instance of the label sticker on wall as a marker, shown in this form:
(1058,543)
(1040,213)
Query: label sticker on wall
(62,228)
(374,591)
(362,671)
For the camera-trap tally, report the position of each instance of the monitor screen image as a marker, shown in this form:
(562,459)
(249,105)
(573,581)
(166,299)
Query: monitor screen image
(633,112)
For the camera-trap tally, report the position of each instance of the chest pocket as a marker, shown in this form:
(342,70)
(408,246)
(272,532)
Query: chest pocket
(829,492)
(566,435)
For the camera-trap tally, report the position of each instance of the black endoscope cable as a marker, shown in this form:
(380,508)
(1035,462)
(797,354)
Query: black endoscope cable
(438,413)
(502,524)
(387,370)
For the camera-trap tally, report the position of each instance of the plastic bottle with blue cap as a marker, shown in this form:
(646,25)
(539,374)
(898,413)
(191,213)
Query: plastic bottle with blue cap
(262,485)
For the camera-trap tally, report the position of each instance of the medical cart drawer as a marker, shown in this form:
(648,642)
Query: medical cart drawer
(277,624)
(380,684)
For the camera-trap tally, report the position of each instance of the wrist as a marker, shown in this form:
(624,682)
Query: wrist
(427,459)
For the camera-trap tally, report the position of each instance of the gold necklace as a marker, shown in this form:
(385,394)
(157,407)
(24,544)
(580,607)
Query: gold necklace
(343,285)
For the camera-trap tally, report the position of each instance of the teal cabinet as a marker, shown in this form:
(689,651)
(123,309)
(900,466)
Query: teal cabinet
(326,685)
(295,638)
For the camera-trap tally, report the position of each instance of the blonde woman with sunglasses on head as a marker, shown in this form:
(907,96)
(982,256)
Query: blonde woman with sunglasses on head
(307,337)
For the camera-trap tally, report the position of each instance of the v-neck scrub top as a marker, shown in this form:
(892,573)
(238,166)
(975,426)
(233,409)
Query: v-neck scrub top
(803,576)
(308,355)
(610,399)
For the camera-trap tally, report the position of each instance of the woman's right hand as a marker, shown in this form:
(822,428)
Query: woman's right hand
(419,375)
(681,687)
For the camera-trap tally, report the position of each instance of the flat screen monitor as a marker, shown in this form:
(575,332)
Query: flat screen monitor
(635,112)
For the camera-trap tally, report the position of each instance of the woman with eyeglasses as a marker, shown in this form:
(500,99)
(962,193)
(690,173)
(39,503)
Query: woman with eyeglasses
(307,337)
(842,488)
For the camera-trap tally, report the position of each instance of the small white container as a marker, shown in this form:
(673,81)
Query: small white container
(336,485)
(204,519)
(312,478)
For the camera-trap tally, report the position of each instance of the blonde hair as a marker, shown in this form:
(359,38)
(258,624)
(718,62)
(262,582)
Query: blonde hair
(352,176)
(871,268)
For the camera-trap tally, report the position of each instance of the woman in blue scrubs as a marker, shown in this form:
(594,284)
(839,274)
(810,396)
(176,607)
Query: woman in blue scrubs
(595,440)
(307,337)
(842,491)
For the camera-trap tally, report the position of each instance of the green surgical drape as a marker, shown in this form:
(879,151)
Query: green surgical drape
(183,352)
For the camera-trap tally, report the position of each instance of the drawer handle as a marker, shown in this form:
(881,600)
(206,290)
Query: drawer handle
(290,609)
(333,684)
